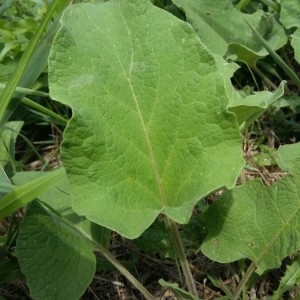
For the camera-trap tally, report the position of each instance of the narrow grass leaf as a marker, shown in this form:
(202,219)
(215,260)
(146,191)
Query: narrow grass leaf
(45,112)
(5,184)
(38,64)
(14,80)
(22,195)
(8,137)
(289,72)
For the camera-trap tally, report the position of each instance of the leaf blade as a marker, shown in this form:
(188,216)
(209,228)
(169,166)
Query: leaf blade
(57,263)
(256,222)
(141,143)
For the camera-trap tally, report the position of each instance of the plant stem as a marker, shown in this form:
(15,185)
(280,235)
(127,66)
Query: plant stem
(25,91)
(179,250)
(264,77)
(36,106)
(44,110)
(126,273)
(244,280)
(286,58)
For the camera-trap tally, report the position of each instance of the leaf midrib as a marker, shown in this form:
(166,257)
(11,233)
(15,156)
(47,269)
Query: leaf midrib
(148,141)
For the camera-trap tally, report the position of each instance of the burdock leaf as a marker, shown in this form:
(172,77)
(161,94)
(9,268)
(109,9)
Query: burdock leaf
(150,131)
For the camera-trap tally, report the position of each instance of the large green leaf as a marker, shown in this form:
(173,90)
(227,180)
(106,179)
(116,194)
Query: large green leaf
(287,154)
(256,222)
(289,13)
(222,28)
(57,261)
(58,198)
(65,231)
(150,132)
(296,43)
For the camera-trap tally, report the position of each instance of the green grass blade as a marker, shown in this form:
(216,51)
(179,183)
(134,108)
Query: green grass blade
(22,195)
(44,110)
(289,72)
(25,91)
(9,89)
(242,4)
(36,106)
